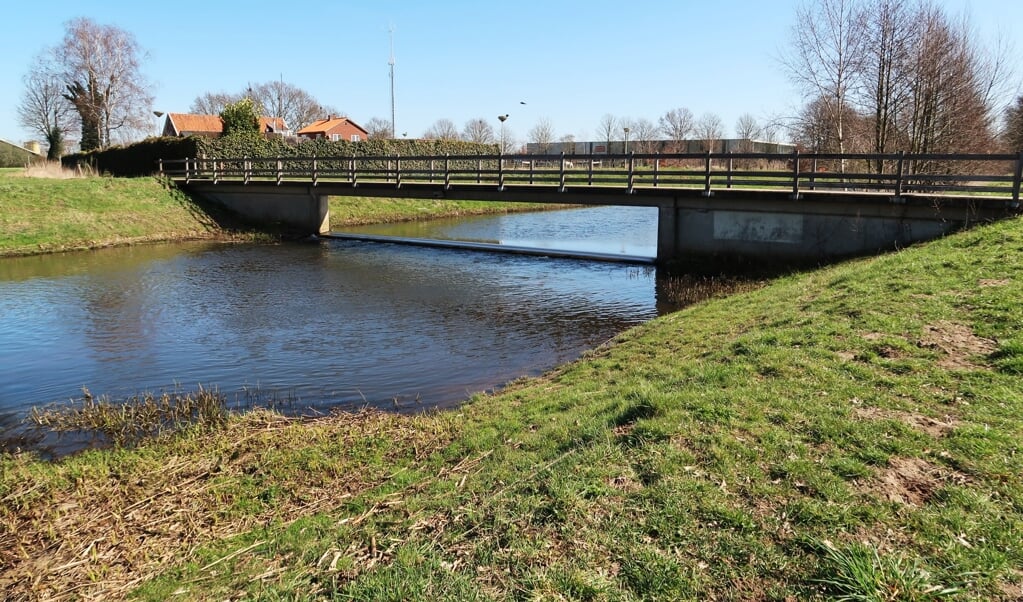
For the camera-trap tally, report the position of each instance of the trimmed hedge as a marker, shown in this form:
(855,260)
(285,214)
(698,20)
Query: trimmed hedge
(134,160)
(142,158)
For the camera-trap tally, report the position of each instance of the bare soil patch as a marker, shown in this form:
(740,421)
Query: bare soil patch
(959,345)
(935,427)
(910,481)
(988,282)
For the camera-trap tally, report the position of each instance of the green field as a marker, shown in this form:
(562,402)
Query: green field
(854,432)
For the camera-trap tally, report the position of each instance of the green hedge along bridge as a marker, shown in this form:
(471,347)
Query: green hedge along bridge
(792,208)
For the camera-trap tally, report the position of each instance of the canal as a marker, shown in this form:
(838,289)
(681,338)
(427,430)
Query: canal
(322,323)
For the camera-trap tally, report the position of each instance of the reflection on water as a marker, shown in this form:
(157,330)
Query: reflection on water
(326,322)
(621,230)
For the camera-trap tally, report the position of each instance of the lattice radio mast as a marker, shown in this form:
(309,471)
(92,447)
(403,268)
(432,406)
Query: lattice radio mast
(390,31)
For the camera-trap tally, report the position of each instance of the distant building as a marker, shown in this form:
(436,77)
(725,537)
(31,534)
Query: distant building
(617,147)
(211,126)
(334,128)
(15,155)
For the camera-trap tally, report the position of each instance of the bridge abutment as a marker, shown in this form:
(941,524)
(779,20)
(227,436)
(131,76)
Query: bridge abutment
(299,208)
(694,234)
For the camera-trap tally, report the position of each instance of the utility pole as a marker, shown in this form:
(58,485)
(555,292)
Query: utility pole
(390,62)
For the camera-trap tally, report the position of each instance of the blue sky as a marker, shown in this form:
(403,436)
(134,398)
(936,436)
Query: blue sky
(570,61)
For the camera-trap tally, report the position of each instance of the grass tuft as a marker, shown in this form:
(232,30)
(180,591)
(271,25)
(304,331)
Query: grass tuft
(859,573)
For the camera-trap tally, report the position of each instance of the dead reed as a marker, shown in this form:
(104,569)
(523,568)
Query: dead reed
(140,417)
(687,289)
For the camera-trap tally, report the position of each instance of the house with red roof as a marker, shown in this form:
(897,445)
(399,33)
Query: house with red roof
(334,128)
(211,126)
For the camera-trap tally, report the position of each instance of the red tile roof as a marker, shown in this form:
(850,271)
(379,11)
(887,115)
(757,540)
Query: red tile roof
(323,126)
(184,122)
(212,124)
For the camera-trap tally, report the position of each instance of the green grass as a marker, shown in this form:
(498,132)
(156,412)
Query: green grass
(853,432)
(45,214)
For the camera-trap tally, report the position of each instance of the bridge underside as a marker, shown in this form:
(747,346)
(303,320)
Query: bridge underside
(743,225)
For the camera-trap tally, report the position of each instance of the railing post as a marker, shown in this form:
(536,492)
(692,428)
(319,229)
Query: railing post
(706,182)
(813,174)
(397,171)
(246,170)
(561,183)
(447,171)
(500,170)
(657,168)
(479,171)
(280,170)
(632,172)
(899,172)
(214,171)
(353,175)
(315,172)
(795,174)
(188,170)
(728,177)
(1016,180)
(159,163)
(431,170)
(532,166)
(589,180)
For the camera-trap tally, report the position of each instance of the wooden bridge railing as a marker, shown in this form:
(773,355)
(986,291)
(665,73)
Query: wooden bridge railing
(895,174)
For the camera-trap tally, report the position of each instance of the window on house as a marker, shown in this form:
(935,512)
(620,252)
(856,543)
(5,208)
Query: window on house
(335,137)
(355,138)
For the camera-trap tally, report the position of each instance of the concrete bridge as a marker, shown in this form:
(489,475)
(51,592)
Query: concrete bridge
(790,208)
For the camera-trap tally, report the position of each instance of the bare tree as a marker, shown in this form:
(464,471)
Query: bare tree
(953,80)
(709,129)
(644,134)
(677,126)
(212,103)
(542,134)
(478,130)
(1014,125)
(101,72)
(886,83)
(607,130)
(746,127)
(827,56)
(294,105)
(567,144)
(747,130)
(378,128)
(442,129)
(43,109)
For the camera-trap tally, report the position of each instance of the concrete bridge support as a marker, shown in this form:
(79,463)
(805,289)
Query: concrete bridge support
(301,208)
(788,232)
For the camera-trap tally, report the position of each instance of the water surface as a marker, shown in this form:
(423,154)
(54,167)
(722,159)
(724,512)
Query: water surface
(327,323)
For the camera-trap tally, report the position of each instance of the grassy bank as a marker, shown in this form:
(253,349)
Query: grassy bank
(47,214)
(854,431)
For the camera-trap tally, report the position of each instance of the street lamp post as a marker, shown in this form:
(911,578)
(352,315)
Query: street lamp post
(626,139)
(502,119)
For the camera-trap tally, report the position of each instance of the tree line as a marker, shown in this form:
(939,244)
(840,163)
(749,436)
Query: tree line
(875,76)
(894,75)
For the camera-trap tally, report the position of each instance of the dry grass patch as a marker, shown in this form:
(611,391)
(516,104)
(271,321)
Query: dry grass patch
(99,535)
(53,170)
(960,346)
